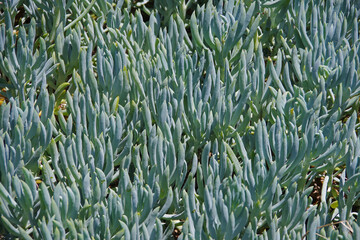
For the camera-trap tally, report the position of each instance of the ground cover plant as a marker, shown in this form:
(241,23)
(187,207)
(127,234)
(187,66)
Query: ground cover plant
(181,119)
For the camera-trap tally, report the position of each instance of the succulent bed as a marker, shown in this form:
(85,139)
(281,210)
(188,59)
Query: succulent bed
(179,119)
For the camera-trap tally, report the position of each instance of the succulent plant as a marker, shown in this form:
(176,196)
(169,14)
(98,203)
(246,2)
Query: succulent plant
(161,119)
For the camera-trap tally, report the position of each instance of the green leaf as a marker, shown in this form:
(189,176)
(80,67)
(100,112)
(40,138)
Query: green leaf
(195,32)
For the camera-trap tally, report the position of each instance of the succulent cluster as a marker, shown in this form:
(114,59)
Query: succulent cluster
(185,119)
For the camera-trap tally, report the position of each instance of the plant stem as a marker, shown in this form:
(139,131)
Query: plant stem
(81,16)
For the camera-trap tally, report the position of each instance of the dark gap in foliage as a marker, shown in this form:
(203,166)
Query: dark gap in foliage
(267,52)
(316,192)
(20,15)
(149,5)
(262,229)
(176,233)
(115,182)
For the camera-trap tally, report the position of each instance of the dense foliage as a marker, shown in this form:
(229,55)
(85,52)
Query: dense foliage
(188,119)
